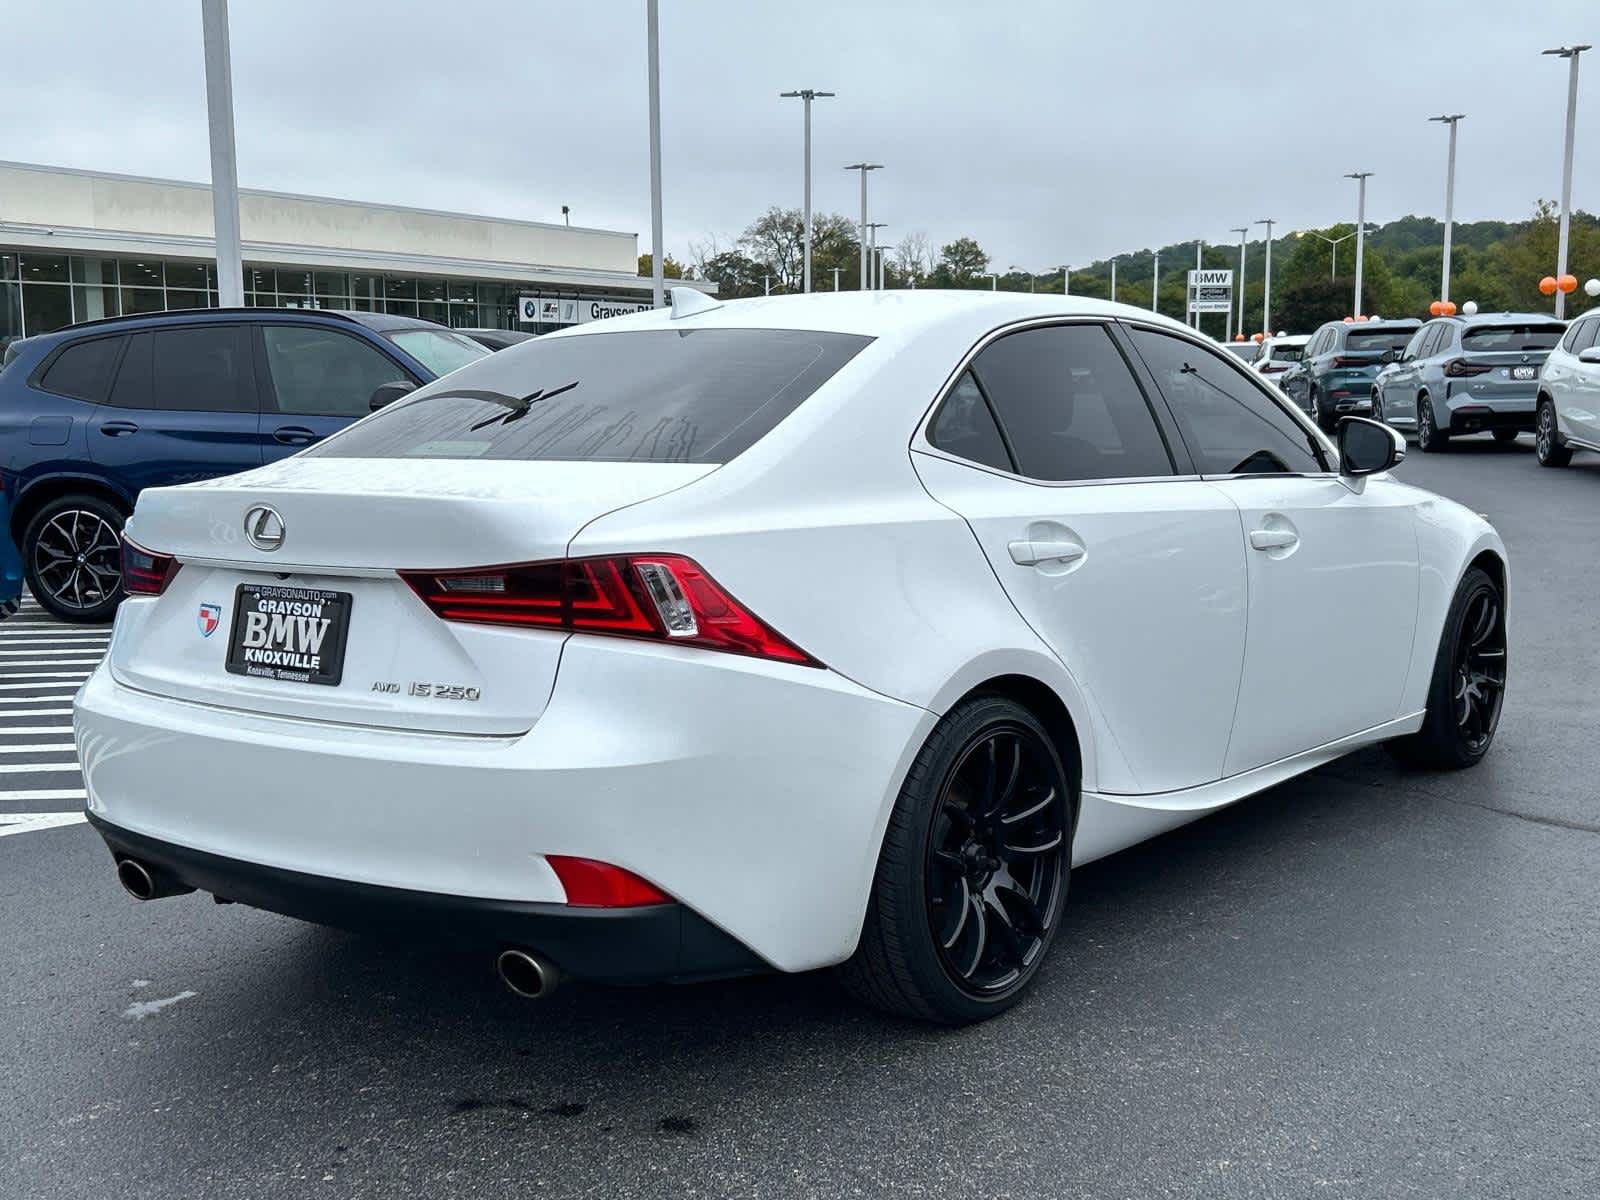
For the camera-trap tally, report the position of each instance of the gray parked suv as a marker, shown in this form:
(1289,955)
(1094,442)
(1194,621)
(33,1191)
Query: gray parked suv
(1467,375)
(1569,395)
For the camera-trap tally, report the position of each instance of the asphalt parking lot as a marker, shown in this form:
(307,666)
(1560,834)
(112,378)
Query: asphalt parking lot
(1362,983)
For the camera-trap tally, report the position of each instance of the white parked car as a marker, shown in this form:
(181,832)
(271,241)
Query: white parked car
(1280,353)
(1567,417)
(775,634)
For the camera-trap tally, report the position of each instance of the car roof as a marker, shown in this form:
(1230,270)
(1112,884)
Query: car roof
(895,316)
(1396,325)
(378,322)
(1501,318)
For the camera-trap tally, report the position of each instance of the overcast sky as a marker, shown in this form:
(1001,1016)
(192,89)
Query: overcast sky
(1051,132)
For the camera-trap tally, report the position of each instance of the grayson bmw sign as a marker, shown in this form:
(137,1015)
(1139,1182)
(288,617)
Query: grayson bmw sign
(263,527)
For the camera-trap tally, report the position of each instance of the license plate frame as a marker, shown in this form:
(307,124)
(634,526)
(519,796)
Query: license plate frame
(289,659)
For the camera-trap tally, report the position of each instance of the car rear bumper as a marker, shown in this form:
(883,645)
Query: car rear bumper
(752,793)
(660,942)
(1471,414)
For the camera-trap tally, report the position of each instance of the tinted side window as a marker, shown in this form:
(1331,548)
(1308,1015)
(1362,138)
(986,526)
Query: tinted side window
(132,388)
(965,427)
(1574,341)
(205,368)
(1231,426)
(1587,335)
(314,370)
(1414,346)
(1070,407)
(83,369)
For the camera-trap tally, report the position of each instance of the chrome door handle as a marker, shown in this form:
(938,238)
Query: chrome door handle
(118,428)
(1273,539)
(294,435)
(1028,554)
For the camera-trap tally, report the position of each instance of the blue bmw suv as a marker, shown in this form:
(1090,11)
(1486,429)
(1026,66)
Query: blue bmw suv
(92,414)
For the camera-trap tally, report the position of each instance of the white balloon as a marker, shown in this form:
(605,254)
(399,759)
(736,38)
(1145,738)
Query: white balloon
(1592,288)
(1470,307)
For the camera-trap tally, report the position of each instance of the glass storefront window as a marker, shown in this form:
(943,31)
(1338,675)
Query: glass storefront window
(439,312)
(8,266)
(331,283)
(134,300)
(401,308)
(47,306)
(398,289)
(195,276)
(180,298)
(430,289)
(94,303)
(140,274)
(10,312)
(259,279)
(293,283)
(44,268)
(94,270)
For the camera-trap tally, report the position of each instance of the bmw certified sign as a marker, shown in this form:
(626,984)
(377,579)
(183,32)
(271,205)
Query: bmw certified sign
(263,527)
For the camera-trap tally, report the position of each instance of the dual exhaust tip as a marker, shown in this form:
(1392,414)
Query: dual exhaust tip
(526,974)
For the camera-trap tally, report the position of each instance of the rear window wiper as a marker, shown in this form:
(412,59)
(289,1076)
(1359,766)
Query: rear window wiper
(517,407)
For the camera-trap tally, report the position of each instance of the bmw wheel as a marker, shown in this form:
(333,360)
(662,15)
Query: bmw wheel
(972,878)
(1317,415)
(1547,447)
(1377,405)
(1428,435)
(72,558)
(1469,682)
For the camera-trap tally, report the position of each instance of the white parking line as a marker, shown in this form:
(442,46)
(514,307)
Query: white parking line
(66,695)
(11,730)
(30,822)
(61,675)
(55,768)
(41,794)
(39,712)
(39,747)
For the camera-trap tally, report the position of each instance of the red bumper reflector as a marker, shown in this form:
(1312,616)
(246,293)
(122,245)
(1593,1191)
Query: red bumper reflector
(591,884)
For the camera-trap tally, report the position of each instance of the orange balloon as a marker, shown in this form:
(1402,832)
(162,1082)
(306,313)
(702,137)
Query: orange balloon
(1257,336)
(1449,308)
(1547,285)
(1436,309)
(1568,283)
(1349,320)
(1238,337)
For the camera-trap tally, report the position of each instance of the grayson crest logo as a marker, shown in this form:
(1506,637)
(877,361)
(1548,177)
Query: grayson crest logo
(209,618)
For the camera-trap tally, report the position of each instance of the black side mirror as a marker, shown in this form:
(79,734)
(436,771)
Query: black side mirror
(1367,447)
(1390,356)
(388,393)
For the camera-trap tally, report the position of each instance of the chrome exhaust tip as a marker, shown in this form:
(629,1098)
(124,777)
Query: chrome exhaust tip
(147,883)
(527,975)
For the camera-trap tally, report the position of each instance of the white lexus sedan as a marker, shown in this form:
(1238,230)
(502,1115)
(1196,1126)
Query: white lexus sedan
(772,635)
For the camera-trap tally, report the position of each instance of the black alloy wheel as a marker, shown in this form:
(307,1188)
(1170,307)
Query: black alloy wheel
(973,873)
(995,863)
(1547,447)
(72,556)
(1428,436)
(1469,681)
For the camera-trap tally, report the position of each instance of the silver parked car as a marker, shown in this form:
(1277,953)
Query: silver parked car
(1568,415)
(1463,375)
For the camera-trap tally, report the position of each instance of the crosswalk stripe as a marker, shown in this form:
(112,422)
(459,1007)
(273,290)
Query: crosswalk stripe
(13,730)
(36,699)
(41,675)
(39,748)
(11,823)
(35,795)
(39,712)
(51,768)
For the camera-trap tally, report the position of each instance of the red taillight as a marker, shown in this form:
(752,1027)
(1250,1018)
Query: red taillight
(665,597)
(1273,369)
(1459,368)
(144,572)
(591,884)
(1345,360)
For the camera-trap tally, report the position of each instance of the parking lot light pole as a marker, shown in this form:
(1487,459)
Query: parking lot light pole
(224,162)
(808,95)
(872,252)
(657,257)
(1155,281)
(1113,280)
(1449,199)
(1361,178)
(864,167)
(994,280)
(1199,249)
(1243,231)
(1570,53)
(1266,281)
(1066,280)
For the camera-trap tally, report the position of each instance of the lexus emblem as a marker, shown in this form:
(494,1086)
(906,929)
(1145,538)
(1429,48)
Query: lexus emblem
(264,527)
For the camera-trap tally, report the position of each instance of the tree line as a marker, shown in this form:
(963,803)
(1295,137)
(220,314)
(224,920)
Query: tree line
(1497,264)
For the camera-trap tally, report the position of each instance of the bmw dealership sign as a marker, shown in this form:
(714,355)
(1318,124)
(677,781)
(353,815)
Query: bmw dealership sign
(554,310)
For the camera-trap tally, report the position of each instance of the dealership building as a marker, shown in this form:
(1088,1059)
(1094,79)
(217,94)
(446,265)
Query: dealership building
(81,245)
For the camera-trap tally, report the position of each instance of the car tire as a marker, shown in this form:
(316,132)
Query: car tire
(1317,415)
(72,558)
(1468,685)
(1547,447)
(1377,406)
(943,844)
(1429,437)
(1505,436)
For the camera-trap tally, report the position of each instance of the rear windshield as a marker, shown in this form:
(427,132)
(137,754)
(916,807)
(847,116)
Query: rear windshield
(692,396)
(1524,336)
(1244,350)
(1378,339)
(1287,353)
